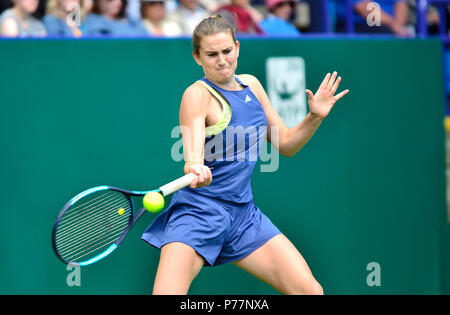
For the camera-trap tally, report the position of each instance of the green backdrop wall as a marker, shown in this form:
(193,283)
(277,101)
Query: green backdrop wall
(368,187)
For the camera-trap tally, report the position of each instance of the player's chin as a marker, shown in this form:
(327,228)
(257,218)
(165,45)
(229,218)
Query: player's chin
(224,76)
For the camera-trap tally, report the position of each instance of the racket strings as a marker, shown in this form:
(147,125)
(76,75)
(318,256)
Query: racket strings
(86,239)
(85,223)
(90,237)
(92,204)
(91,224)
(70,226)
(91,232)
(89,248)
(75,223)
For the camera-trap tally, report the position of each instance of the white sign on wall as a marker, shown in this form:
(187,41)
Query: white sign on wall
(286,88)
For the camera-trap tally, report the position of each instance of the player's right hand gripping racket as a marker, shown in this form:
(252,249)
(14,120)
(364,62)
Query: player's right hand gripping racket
(94,222)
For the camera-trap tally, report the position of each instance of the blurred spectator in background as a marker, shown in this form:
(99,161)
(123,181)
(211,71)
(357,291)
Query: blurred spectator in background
(277,21)
(432,16)
(18,21)
(153,14)
(133,10)
(213,5)
(4,4)
(188,14)
(108,19)
(393,17)
(87,6)
(63,18)
(243,16)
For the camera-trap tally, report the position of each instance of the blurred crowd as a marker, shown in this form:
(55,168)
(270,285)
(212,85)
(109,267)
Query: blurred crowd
(174,18)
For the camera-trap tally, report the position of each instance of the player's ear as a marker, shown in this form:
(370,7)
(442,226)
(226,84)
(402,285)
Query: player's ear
(238,44)
(196,58)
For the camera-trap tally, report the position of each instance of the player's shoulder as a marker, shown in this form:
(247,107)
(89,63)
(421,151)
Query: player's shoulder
(248,79)
(252,82)
(196,95)
(196,90)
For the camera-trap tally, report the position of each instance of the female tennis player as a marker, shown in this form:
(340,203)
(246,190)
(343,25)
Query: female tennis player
(215,220)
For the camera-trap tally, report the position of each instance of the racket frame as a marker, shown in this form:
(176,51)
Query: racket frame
(133,218)
(163,190)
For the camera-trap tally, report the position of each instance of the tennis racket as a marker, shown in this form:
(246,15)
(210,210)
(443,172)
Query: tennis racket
(94,222)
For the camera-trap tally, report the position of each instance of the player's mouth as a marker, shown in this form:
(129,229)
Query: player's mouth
(222,69)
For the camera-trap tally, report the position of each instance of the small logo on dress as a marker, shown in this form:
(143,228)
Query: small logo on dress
(247,99)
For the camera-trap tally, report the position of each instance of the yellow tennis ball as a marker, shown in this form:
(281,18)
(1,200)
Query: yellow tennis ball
(121,211)
(153,201)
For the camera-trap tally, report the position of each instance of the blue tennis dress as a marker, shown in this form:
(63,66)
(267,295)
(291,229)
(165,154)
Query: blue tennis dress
(221,221)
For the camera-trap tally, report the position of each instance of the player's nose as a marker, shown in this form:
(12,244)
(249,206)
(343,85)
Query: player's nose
(221,60)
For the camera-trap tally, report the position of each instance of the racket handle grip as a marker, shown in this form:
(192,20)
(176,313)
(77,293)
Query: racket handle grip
(177,184)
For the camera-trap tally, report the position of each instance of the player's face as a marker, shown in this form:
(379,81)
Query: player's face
(218,56)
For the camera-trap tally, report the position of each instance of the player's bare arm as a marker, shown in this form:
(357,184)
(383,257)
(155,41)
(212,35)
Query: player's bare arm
(193,111)
(289,141)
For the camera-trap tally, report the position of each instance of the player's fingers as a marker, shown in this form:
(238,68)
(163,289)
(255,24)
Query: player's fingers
(210,177)
(201,178)
(207,175)
(340,95)
(196,170)
(309,93)
(324,83)
(194,182)
(335,85)
(331,81)
(204,175)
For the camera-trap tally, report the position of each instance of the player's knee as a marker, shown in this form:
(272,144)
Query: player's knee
(315,289)
(310,288)
(159,290)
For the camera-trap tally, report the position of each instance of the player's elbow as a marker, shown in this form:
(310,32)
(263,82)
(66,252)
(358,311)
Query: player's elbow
(287,153)
(286,150)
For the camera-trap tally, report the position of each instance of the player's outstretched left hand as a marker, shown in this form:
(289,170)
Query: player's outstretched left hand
(321,103)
